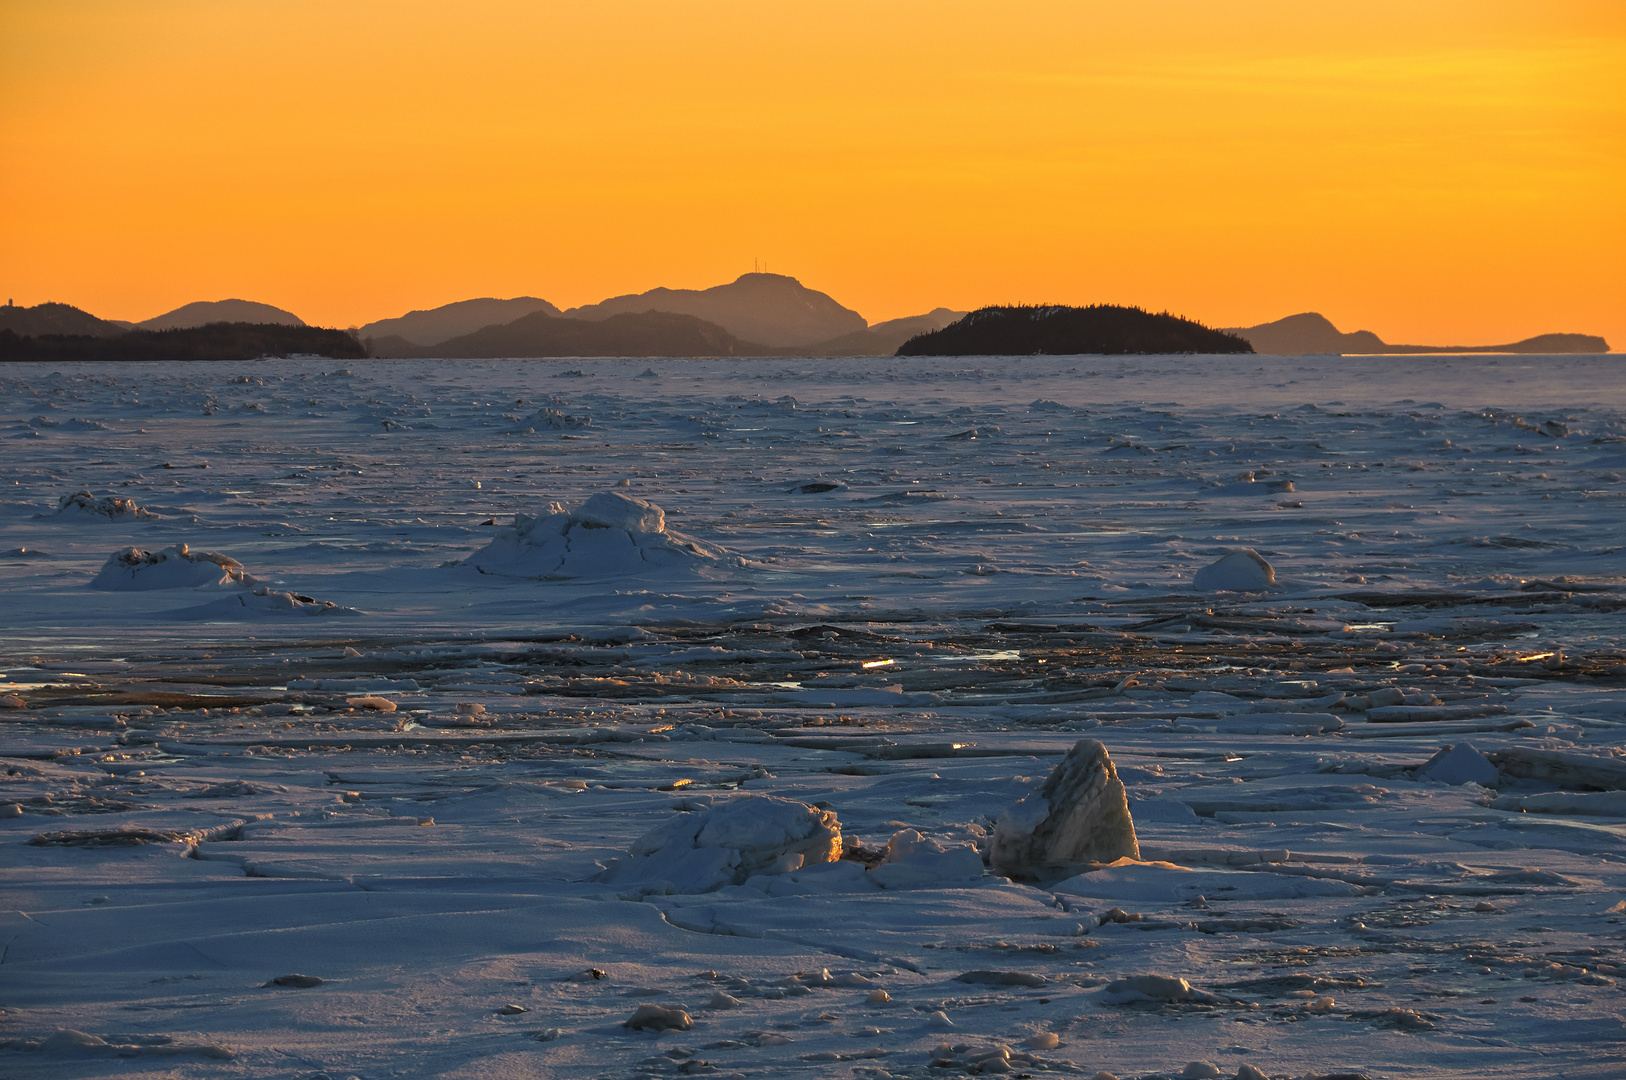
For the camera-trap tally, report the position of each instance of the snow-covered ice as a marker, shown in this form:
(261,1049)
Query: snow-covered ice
(608,535)
(1244,570)
(556,685)
(175,567)
(727,844)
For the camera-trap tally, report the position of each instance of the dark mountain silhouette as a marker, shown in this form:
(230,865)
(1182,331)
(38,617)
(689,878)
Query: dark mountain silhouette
(434,325)
(884,338)
(204,312)
(769,308)
(1298,335)
(650,333)
(1310,332)
(492,341)
(215,341)
(935,319)
(395,347)
(1049,330)
(56,319)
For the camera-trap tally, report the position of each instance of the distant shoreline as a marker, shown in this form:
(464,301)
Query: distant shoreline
(759,314)
(651,358)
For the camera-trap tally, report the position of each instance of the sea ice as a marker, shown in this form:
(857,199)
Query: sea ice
(1585,803)
(1250,486)
(262,601)
(1081,814)
(726,844)
(608,535)
(1243,570)
(178,567)
(1575,772)
(846,659)
(1163,883)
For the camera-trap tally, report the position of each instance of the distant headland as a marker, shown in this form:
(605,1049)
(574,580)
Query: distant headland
(757,314)
(1052,330)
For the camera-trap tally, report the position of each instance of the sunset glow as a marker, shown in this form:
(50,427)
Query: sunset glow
(1446,172)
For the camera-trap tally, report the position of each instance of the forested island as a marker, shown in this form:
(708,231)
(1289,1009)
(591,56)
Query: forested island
(1054,330)
(216,341)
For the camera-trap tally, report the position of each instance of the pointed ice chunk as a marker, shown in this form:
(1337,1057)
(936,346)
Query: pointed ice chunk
(1459,764)
(1081,814)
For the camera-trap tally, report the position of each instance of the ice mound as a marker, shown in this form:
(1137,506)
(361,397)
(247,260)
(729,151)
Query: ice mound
(1081,814)
(609,535)
(1243,570)
(913,861)
(726,844)
(1459,764)
(548,418)
(178,567)
(264,602)
(83,504)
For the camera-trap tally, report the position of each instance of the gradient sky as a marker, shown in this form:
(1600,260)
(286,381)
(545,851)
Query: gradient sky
(1433,170)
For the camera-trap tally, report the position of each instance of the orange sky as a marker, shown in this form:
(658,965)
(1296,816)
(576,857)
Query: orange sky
(1435,171)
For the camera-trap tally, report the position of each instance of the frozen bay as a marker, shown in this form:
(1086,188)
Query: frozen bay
(394,749)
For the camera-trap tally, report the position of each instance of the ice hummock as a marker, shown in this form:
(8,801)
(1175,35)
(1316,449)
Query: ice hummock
(82,504)
(913,861)
(608,535)
(178,567)
(726,844)
(1080,815)
(1242,570)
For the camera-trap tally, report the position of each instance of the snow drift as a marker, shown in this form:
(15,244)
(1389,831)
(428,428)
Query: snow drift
(609,535)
